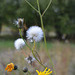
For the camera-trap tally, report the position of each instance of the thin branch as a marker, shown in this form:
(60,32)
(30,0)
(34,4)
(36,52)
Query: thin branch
(38,6)
(47,7)
(24,40)
(31,5)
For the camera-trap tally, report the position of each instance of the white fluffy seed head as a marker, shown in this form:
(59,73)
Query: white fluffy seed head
(34,33)
(19,43)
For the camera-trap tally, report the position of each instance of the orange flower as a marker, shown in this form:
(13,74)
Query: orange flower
(9,67)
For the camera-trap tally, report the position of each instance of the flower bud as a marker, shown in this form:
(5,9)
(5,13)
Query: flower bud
(25,69)
(15,67)
(20,22)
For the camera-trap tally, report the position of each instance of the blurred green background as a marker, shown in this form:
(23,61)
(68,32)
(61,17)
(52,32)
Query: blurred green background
(59,23)
(60,17)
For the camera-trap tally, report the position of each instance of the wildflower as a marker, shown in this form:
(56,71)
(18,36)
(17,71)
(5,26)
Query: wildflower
(19,23)
(30,59)
(9,67)
(19,43)
(45,72)
(34,33)
(25,69)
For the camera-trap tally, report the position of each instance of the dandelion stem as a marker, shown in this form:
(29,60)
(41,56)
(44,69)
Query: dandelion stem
(36,51)
(24,40)
(37,59)
(34,45)
(41,22)
(47,7)
(42,25)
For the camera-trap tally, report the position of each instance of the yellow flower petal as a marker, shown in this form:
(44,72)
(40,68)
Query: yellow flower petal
(37,71)
(45,72)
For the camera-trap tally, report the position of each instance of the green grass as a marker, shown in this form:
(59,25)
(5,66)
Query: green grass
(6,44)
(49,44)
(9,44)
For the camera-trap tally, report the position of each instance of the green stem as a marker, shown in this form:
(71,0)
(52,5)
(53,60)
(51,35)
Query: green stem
(41,22)
(46,43)
(47,7)
(35,56)
(31,5)
(43,31)
(24,40)
(37,59)
(42,25)
(38,5)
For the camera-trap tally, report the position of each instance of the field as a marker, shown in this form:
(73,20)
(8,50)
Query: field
(62,54)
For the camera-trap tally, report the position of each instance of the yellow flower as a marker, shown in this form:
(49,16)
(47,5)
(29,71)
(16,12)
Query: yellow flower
(9,67)
(45,72)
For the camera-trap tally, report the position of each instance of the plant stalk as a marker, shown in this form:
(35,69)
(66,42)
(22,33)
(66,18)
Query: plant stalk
(42,25)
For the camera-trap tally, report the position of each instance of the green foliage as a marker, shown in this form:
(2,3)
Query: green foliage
(60,14)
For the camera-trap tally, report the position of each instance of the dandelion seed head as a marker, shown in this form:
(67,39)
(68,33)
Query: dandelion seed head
(19,43)
(34,33)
